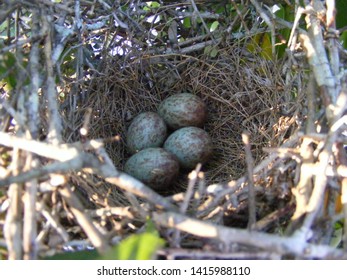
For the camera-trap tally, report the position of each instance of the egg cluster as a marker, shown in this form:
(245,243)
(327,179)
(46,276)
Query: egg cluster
(158,155)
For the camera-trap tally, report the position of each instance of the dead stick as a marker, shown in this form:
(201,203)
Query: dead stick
(13,221)
(251,192)
(77,209)
(270,242)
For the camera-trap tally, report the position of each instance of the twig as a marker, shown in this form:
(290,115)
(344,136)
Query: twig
(311,105)
(112,211)
(332,39)
(205,15)
(30,219)
(63,34)
(76,92)
(293,33)
(317,57)
(198,46)
(77,209)
(128,183)
(270,242)
(303,189)
(173,254)
(107,7)
(40,207)
(262,224)
(33,98)
(56,167)
(30,247)
(55,125)
(251,192)
(240,16)
(141,211)
(86,122)
(196,10)
(13,222)
(61,152)
(193,176)
(10,8)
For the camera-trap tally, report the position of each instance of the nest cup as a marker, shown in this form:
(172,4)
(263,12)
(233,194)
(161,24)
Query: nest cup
(241,94)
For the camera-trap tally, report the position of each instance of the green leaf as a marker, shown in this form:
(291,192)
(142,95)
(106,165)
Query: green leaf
(3,27)
(212,51)
(261,45)
(153,4)
(7,70)
(341,8)
(286,13)
(187,23)
(207,50)
(343,38)
(214,26)
(137,247)
(337,238)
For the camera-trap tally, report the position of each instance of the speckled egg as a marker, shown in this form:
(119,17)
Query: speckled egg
(154,167)
(147,130)
(190,145)
(183,109)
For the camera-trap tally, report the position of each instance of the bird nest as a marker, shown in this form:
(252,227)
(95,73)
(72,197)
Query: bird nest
(244,93)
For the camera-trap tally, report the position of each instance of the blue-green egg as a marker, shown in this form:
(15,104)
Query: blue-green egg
(183,109)
(155,167)
(190,145)
(147,130)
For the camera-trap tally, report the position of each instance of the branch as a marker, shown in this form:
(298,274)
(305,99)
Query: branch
(251,192)
(229,236)
(184,254)
(56,152)
(13,221)
(30,245)
(317,56)
(56,167)
(55,125)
